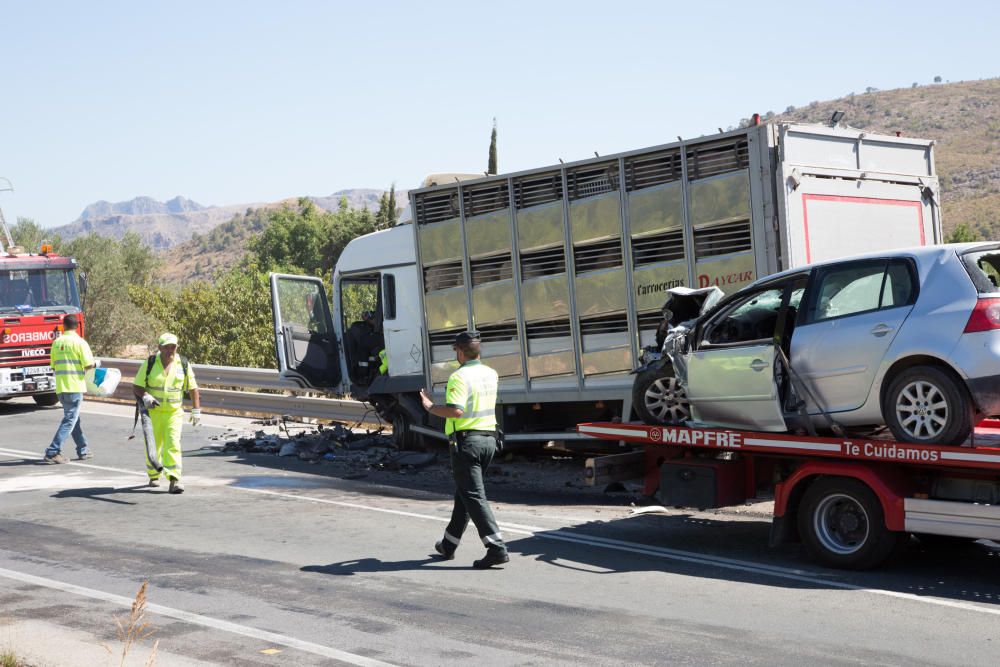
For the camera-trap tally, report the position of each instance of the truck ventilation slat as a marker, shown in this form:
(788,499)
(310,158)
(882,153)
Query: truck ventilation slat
(443,276)
(436,206)
(722,239)
(616,323)
(491,269)
(547,329)
(603,255)
(717,158)
(496,333)
(536,190)
(650,321)
(486,199)
(542,263)
(592,181)
(650,170)
(445,337)
(662,247)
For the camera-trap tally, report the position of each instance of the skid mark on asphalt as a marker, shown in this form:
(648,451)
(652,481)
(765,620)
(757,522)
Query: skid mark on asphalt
(199,619)
(678,555)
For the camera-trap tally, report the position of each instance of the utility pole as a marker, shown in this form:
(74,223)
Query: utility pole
(3,222)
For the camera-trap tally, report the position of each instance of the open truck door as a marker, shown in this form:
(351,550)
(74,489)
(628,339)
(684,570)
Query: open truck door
(304,338)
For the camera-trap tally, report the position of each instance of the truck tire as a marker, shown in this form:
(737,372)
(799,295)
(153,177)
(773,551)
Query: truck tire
(842,525)
(925,405)
(658,398)
(46,400)
(405,438)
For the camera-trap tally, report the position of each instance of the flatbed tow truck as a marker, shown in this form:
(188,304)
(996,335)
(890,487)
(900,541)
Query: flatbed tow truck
(851,501)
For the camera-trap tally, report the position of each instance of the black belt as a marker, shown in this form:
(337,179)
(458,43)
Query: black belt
(471,432)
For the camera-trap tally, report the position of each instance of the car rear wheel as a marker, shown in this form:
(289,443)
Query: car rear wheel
(925,405)
(842,525)
(658,398)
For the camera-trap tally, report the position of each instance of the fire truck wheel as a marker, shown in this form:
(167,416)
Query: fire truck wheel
(45,400)
(925,405)
(842,525)
(658,398)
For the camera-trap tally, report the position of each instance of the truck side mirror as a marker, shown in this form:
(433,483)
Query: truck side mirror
(83,284)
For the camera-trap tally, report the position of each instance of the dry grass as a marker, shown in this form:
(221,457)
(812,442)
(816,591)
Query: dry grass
(135,628)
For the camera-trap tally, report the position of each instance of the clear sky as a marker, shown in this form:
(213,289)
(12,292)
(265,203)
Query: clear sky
(239,102)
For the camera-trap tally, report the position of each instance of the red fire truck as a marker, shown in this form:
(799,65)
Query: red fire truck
(36,292)
(851,501)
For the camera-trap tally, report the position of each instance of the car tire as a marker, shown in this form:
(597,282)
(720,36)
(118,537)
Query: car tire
(658,398)
(45,400)
(927,406)
(842,525)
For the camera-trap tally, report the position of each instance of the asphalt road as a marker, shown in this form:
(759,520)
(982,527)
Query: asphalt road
(261,565)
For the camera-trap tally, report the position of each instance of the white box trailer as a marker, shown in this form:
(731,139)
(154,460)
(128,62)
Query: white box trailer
(564,269)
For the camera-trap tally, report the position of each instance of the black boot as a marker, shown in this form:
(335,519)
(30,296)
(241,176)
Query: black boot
(445,549)
(494,556)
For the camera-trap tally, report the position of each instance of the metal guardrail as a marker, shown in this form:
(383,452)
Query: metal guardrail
(248,401)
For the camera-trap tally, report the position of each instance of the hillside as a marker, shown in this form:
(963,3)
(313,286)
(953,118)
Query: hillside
(223,246)
(163,225)
(963,118)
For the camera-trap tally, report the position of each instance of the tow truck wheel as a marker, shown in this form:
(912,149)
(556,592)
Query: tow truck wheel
(842,525)
(658,398)
(925,405)
(45,400)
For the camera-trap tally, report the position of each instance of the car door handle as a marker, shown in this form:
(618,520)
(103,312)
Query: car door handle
(881,330)
(758,364)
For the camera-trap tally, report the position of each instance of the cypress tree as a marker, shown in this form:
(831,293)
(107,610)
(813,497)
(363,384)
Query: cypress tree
(492,166)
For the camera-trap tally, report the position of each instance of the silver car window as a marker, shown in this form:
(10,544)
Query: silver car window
(984,269)
(850,290)
(752,319)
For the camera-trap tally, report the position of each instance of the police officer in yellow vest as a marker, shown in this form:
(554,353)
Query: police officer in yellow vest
(161,386)
(471,425)
(71,357)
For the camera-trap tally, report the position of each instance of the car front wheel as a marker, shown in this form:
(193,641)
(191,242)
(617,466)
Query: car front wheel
(925,405)
(658,398)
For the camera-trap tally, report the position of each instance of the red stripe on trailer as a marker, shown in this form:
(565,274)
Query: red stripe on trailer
(806,198)
(986,458)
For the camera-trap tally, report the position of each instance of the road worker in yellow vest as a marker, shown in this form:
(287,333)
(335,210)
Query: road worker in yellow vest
(160,384)
(71,358)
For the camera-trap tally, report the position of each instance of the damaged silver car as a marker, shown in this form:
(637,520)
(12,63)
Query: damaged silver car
(908,339)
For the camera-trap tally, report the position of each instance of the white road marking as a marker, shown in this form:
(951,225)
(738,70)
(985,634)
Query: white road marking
(563,535)
(199,619)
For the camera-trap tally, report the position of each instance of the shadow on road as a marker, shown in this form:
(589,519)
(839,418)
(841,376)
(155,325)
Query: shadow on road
(99,493)
(368,565)
(737,551)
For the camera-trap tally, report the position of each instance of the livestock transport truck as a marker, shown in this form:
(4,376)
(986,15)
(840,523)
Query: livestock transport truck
(36,292)
(564,269)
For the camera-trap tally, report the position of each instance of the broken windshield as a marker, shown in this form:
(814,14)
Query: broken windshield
(984,268)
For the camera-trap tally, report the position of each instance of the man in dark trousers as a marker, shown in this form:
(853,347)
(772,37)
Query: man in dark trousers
(471,426)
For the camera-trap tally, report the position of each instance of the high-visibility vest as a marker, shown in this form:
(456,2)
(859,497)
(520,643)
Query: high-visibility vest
(167,388)
(70,357)
(472,389)
(383,367)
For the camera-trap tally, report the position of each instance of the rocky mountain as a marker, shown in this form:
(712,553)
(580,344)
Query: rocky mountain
(139,206)
(163,225)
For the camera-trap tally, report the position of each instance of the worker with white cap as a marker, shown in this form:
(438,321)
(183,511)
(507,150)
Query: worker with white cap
(162,383)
